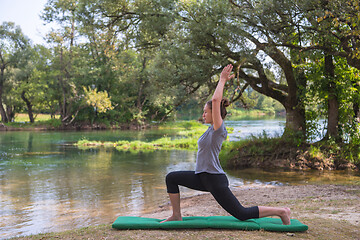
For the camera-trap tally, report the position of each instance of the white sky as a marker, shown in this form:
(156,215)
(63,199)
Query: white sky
(26,14)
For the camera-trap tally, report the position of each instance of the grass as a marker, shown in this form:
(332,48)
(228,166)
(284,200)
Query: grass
(23,117)
(41,120)
(188,133)
(256,146)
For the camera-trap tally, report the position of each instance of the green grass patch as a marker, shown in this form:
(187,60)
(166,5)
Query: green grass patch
(187,133)
(229,151)
(48,124)
(23,117)
(41,120)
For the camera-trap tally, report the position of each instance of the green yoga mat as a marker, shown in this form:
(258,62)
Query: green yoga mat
(216,222)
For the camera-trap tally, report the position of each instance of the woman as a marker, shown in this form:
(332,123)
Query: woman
(208,175)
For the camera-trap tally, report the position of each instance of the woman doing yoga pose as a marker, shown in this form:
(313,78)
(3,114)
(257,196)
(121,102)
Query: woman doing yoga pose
(209,175)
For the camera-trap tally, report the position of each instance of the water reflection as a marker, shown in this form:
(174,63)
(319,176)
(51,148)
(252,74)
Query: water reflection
(46,184)
(52,187)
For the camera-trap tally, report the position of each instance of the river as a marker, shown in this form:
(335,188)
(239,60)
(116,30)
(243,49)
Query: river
(47,184)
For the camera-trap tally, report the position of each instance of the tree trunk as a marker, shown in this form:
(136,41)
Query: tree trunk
(10,113)
(63,102)
(4,118)
(356,112)
(29,107)
(295,121)
(2,109)
(289,96)
(333,117)
(142,82)
(356,106)
(295,109)
(333,102)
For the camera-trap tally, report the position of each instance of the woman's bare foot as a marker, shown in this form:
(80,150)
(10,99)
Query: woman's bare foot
(285,216)
(172,218)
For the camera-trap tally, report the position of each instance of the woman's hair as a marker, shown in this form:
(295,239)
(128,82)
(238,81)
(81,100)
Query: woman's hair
(223,105)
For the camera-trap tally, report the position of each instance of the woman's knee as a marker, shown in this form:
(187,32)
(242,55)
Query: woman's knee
(171,184)
(171,176)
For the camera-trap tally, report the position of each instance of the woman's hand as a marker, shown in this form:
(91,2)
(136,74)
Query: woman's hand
(225,74)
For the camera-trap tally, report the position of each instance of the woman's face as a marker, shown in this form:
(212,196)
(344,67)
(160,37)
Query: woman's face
(207,116)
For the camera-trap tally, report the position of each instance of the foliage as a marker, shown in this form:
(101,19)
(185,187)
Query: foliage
(229,151)
(99,100)
(14,54)
(342,19)
(317,95)
(142,61)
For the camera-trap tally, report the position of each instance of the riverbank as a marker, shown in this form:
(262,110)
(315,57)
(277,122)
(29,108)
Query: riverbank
(289,153)
(55,125)
(330,211)
(46,122)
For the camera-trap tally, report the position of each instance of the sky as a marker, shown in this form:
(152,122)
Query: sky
(25,13)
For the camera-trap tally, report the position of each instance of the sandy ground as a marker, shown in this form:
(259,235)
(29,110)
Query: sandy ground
(332,212)
(309,201)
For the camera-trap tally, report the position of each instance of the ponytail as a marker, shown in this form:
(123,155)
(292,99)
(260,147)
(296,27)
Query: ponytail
(224,104)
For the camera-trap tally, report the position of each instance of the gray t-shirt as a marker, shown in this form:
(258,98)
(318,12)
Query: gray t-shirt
(209,146)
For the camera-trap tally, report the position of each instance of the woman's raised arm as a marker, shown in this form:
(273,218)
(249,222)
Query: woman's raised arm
(218,94)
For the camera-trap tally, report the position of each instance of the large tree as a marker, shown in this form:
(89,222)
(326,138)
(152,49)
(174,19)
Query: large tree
(210,34)
(64,50)
(324,29)
(151,55)
(14,53)
(33,82)
(194,39)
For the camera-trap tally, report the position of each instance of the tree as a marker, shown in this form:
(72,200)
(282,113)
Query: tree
(330,28)
(13,53)
(123,39)
(33,82)
(337,22)
(64,13)
(113,55)
(239,32)
(151,56)
(195,38)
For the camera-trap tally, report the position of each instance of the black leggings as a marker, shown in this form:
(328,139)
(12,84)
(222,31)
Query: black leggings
(217,185)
